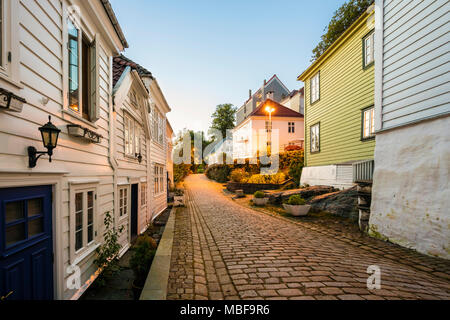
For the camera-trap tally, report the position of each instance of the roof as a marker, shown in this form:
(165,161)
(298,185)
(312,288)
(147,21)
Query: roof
(121,62)
(266,84)
(280,110)
(112,17)
(336,44)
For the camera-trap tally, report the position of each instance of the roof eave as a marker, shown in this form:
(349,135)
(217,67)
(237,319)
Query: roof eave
(334,46)
(112,16)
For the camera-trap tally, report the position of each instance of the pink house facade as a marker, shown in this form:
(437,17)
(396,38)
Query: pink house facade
(253,134)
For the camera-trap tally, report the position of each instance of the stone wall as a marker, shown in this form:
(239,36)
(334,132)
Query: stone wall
(411,194)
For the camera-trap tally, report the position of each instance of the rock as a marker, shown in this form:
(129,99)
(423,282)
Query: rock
(305,193)
(342,203)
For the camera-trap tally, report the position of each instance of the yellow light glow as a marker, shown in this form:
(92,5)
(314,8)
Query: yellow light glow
(269,109)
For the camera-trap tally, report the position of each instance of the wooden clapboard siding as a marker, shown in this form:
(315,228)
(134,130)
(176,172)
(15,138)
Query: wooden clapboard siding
(345,89)
(416,61)
(41,70)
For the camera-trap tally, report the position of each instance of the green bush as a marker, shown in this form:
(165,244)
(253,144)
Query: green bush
(218,172)
(140,262)
(259,195)
(265,179)
(296,200)
(180,171)
(239,175)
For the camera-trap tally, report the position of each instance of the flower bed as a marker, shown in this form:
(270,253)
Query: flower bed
(250,188)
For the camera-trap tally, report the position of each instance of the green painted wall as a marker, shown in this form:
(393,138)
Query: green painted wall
(345,89)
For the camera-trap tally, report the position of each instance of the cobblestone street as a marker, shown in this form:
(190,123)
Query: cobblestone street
(223,250)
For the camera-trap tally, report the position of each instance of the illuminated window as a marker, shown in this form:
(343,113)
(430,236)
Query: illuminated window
(368,124)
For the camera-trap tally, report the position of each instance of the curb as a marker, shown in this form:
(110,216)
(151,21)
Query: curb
(155,287)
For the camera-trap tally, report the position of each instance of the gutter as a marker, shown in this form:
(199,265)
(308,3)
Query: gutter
(112,17)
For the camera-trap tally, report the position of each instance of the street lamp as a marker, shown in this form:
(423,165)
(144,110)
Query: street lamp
(49,135)
(270,110)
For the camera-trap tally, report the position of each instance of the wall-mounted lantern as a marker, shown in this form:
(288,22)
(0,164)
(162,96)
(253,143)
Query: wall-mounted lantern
(49,135)
(138,156)
(10,101)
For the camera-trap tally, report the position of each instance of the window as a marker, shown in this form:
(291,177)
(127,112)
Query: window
(123,201)
(158,126)
(268,126)
(158,178)
(82,60)
(291,127)
(84,218)
(132,137)
(315,87)
(143,194)
(315,138)
(368,49)
(368,123)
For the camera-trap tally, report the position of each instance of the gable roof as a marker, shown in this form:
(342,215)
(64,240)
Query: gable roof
(120,63)
(267,83)
(280,110)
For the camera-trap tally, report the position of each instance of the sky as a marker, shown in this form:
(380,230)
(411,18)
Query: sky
(205,53)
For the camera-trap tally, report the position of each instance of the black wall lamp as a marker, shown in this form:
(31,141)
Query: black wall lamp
(49,135)
(139,157)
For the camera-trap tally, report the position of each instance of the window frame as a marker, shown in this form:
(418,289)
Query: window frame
(291,127)
(371,123)
(370,34)
(126,204)
(310,138)
(93,86)
(9,47)
(158,179)
(87,246)
(317,74)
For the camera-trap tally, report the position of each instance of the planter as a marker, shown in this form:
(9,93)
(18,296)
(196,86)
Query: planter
(260,201)
(297,211)
(178,201)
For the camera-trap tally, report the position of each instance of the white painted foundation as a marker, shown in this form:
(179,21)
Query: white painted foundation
(338,176)
(411,194)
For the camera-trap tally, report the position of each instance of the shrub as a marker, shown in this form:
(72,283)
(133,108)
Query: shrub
(259,195)
(218,172)
(278,178)
(180,171)
(108,253)
(264,179)
(140,262)
(239,175)
(296,200)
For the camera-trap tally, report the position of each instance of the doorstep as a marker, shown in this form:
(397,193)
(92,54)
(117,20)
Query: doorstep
(155,287)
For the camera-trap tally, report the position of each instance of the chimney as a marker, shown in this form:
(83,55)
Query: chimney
(250,93)
(265,82)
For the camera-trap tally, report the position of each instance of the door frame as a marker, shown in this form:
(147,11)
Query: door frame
(130,183)
(55,180)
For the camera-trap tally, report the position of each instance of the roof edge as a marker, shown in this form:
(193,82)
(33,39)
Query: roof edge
(112,17)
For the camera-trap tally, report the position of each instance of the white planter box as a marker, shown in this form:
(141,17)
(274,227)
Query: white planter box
(260,201)
(297,211)
(178,201)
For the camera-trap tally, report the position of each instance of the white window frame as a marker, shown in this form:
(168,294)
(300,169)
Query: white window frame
(123,201)
(368,123)
(315,87)
(368,49)
(158,179)
(9,70)
(128,135)
(92,38)
(87,247)
(314,131)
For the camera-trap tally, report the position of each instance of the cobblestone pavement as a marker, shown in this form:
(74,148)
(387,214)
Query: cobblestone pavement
(223,250)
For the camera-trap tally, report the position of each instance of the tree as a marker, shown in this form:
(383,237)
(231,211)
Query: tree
(224,118)
(343,18)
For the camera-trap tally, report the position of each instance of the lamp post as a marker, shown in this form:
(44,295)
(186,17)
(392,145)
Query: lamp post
(49,135)
(270,110)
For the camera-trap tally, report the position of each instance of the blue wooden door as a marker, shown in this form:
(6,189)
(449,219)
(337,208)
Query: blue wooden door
(26,251)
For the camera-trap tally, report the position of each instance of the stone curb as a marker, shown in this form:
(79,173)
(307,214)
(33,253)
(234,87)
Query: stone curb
(155,287)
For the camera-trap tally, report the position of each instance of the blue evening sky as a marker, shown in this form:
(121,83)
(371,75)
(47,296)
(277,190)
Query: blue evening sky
(204,53)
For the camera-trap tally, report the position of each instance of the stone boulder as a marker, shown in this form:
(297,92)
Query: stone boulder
(341,203)
(306,193)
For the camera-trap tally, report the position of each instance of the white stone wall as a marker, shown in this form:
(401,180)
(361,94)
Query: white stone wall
(411,195)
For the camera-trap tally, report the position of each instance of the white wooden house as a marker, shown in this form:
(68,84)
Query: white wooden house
(56,55)
(410,195)
(132,136)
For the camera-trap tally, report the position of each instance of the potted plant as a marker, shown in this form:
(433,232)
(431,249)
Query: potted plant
(260,199)
(296,206)
(140,262)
